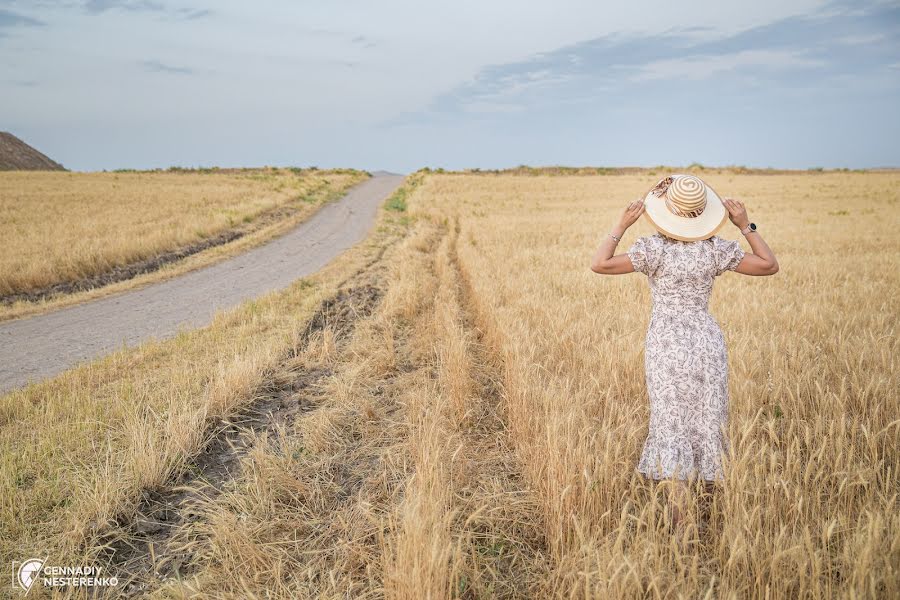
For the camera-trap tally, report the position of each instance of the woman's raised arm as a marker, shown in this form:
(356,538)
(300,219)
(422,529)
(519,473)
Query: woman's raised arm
(762,261)
(604,262)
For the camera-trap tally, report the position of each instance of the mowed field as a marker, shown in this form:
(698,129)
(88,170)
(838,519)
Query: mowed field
(74,232)
(455,408)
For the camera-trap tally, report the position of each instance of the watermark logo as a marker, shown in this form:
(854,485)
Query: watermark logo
(35,570)
(28,572)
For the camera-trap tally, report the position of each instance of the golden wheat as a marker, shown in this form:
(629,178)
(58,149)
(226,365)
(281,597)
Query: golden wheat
(810,503)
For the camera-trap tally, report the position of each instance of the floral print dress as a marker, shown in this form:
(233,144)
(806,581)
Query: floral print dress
(685,359)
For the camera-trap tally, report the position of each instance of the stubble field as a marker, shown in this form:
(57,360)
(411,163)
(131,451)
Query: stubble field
(455,409)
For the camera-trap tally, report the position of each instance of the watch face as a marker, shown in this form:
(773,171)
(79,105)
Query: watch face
(752,226)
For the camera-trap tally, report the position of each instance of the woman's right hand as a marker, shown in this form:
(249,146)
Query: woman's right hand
(737,213)
(631,214)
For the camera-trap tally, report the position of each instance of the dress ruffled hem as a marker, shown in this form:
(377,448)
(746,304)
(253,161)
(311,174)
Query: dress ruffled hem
(682,462)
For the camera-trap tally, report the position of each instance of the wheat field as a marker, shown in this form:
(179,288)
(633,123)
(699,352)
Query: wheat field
(809,505)
(455,409)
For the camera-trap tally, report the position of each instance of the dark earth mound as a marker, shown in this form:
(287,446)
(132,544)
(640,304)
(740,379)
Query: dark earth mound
(16,155)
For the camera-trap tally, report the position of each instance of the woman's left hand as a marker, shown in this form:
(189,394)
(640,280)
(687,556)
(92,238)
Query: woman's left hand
(737,212)
(632,213)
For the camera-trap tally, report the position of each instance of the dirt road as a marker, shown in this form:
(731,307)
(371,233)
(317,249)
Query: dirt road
(41,346)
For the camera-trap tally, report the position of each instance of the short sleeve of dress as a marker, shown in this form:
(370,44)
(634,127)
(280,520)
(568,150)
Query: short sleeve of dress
(644,255)
(727,253)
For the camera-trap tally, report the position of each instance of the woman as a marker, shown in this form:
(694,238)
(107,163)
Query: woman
(685,359)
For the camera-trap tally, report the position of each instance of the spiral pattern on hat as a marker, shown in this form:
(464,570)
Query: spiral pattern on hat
(686,196)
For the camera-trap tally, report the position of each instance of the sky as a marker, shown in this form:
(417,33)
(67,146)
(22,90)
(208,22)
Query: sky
(402,84)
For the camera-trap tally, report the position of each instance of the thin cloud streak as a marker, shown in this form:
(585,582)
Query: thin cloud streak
(705,66)
(155,66)
(96,7)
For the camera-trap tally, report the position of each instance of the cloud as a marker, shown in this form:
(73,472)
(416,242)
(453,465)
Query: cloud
(500,96)
(156,66)
(857,40)
(96,7)
(363,41)
(840,42)
(492,107)
(705,66)
(190,14)
(11,19)
(99,7)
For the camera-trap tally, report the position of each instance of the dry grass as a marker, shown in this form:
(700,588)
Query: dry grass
(475,433)
(63,228)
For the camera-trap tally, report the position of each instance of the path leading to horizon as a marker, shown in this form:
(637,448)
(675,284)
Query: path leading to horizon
(41,346)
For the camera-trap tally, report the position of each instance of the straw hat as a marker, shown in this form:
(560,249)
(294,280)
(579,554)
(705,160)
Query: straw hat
(685,208)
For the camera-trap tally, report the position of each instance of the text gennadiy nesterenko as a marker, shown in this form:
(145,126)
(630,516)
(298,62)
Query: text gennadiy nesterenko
(36,571)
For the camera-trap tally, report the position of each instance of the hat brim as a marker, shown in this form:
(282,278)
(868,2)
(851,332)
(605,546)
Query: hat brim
(683,228)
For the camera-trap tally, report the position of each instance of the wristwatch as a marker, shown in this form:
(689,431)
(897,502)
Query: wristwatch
(749,228)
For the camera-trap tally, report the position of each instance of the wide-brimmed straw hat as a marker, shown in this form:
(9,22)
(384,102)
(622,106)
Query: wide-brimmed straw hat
(685,208)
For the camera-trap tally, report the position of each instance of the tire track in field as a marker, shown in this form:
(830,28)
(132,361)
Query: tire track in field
(346,486)
(155,544)
(510,557)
